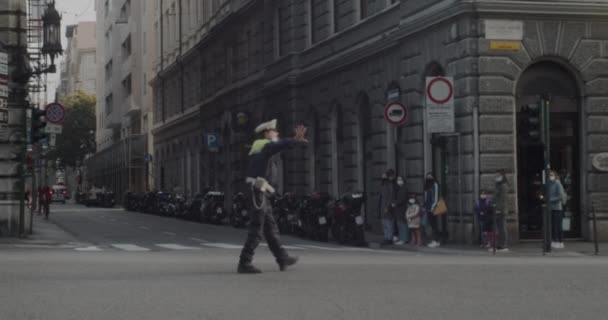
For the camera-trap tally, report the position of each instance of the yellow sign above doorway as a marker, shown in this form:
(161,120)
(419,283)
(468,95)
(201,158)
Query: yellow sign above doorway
(502,45)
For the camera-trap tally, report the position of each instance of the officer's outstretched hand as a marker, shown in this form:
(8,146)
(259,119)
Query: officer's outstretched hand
(300,134)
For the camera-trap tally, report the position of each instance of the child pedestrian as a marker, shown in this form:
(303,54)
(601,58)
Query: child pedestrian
(413,214)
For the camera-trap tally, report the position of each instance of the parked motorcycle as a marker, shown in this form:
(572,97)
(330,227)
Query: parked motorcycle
(212,207)
(314,216)
(347,220)
(239,215)
(285,211)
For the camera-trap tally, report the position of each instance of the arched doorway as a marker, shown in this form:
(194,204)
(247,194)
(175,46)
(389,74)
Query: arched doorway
(553,83)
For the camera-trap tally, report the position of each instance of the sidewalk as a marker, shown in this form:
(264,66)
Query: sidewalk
(46,235)
(531,248)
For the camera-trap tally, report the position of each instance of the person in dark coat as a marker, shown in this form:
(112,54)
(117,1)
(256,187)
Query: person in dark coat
(387,205)
(262,221)
(484,210)
(431,199)
(401,206)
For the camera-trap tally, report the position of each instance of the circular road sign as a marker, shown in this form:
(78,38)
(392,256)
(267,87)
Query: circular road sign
(440,90)
(55,113)
(395,113)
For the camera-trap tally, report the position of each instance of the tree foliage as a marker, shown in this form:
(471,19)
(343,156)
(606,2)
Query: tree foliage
(78,137)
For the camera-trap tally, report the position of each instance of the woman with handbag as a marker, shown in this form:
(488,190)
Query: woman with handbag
(434,206)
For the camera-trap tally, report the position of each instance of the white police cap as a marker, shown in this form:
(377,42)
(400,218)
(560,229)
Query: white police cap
(270,125)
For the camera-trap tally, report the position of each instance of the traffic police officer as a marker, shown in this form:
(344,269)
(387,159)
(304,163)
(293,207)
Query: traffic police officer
(262,220)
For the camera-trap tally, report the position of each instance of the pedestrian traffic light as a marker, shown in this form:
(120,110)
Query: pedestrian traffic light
(38,125)
(532,123)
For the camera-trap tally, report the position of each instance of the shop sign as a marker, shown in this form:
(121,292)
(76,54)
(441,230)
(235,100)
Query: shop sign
(504,29)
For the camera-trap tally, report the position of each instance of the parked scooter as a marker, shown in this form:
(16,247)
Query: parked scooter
(239,215)
(314,216)
(212,207)
(348,222)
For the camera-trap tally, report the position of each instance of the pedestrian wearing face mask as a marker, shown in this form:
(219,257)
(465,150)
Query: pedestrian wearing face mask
(399,211)
(500,199)
(387,204)
(413,215)
(484,209)
(431,199)
(557,199)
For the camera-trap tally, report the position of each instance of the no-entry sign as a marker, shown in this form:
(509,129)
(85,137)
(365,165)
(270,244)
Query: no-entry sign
(440,104)
(395,113)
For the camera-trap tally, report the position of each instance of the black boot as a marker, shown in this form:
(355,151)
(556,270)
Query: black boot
(289,261)
(248,268)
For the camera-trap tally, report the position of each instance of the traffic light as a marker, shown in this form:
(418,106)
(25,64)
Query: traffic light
(532,123)
(38,125)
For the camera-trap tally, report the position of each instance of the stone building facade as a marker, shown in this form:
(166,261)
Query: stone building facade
(332,64)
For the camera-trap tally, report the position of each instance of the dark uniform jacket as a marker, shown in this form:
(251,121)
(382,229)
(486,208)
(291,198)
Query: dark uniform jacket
(261,152)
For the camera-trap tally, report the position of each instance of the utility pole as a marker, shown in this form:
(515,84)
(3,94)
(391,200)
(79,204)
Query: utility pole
(546,141)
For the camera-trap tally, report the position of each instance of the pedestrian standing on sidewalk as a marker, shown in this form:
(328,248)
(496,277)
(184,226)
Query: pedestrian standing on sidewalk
(501,211)
(431,199)
(557,199)
(484,209)
(46,201)
(399,211)
(413,214)
(388,205)
(262,221)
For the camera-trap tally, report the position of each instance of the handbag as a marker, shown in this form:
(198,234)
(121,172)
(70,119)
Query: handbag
(441,208)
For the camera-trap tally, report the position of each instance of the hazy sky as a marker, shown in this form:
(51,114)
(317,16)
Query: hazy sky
(72,11)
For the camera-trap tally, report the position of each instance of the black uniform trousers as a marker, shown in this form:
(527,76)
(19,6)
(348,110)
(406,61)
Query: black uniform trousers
(262,223)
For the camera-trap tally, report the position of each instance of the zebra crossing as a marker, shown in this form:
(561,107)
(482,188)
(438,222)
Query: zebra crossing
(131,247)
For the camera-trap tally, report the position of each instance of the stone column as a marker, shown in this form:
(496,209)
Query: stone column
(13,41)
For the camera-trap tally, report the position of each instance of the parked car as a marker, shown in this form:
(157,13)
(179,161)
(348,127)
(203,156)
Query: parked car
(59,193)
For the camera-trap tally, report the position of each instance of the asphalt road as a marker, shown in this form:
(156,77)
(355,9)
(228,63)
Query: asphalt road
(134,266)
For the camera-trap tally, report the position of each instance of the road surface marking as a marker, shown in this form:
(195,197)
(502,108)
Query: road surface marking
(222,245)
(169,233)
(129,247)
(144,228)
(198,239)
(286,247)
(174,246)
(88,209)
(89,249)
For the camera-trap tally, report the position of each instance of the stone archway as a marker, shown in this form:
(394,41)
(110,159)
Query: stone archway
(557,84)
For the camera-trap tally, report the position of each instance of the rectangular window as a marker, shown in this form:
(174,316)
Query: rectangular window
(363,9)
(310,39)
(335,16)
(277,33)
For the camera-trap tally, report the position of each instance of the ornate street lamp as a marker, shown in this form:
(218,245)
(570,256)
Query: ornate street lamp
(51,24)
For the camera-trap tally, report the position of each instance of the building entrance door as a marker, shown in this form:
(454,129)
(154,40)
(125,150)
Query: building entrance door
(564,160)
(557,84)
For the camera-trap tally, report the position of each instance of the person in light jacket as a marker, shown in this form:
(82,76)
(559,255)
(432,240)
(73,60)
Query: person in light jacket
(557,198)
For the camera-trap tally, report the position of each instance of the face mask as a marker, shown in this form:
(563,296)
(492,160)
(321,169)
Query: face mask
(412,201)
(274,139)
(483,196)
(399,182)
(274,136)
(552,178)
(499,179)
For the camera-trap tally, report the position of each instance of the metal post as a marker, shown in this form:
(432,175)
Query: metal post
(34,194)
(546,140)
(596,245)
